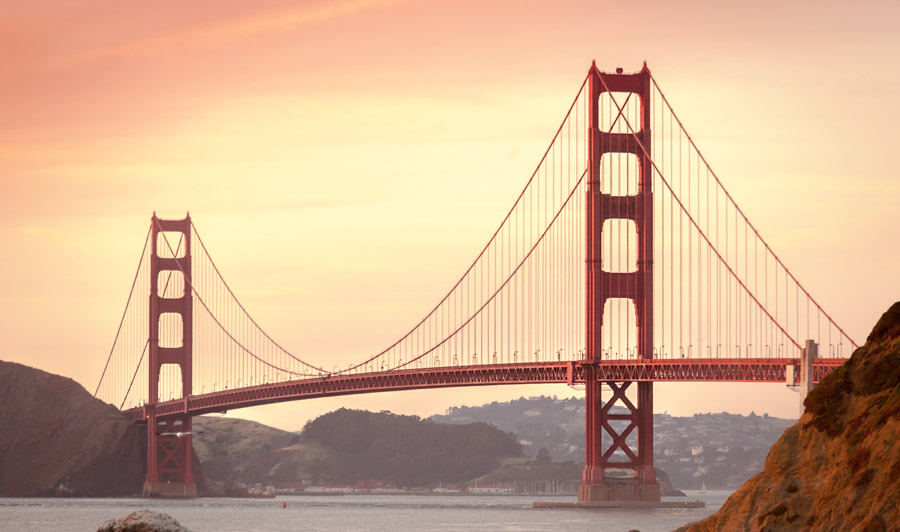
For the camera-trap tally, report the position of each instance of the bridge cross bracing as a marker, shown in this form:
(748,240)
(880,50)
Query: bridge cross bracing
(684,288)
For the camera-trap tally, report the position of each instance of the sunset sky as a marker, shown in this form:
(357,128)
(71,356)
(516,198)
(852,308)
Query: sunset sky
(345,160)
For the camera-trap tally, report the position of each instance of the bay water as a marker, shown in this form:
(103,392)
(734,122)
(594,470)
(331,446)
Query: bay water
(352,513)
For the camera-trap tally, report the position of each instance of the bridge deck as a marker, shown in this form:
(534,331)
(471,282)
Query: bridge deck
(772,370)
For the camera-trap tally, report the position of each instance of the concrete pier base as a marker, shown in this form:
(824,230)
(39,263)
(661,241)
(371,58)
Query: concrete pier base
(618,492)
(175,490)
(624,505)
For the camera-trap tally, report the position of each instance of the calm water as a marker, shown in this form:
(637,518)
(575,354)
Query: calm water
(389,513)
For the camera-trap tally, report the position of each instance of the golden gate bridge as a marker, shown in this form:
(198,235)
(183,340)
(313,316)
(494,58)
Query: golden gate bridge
(623,261)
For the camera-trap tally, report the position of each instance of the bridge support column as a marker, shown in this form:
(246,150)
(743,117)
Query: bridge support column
(807,356)
(638,484)
(621,416)
(169,446)
(170,456)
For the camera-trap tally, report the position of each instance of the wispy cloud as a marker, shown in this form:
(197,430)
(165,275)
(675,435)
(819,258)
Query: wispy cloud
(208,33)
(36,231)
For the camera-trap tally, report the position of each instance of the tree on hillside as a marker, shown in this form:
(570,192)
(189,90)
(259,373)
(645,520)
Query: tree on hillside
(543,456)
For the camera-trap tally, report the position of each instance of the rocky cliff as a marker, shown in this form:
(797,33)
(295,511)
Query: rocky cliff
(838,468)
(56,439)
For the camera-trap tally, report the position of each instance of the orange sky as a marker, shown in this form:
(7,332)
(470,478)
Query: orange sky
(345,160)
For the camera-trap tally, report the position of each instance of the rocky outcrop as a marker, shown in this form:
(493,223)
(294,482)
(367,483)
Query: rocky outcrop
(838,468)
(143,521)
(666,489)
(55,439)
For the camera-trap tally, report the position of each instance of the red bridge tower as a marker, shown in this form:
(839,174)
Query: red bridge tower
(169,449)
(636,286)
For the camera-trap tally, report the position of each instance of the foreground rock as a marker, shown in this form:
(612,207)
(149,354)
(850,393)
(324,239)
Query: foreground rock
(56,439)
(143,521)
(838,468)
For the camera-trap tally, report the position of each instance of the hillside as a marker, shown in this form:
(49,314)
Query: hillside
(721,450)
(406,450)
(838,468)
(225,444)
(56,439)
(538,422)
(346,446)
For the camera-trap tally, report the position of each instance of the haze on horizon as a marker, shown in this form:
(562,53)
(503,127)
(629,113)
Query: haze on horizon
(345,160)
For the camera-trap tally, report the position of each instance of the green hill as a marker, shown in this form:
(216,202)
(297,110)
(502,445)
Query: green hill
(346,446)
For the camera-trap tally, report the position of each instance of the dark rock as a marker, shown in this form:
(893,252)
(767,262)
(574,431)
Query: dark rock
(666,489)
(888,325)
(143,521)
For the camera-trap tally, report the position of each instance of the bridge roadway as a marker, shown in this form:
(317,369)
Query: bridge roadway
(772,370)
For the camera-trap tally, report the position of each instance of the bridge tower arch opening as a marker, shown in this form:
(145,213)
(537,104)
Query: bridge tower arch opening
(598,484)
(169,445)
